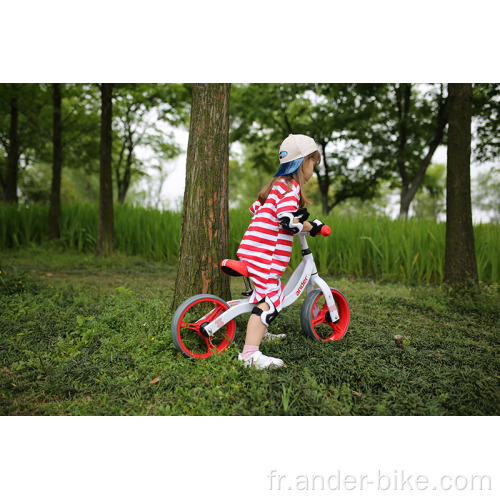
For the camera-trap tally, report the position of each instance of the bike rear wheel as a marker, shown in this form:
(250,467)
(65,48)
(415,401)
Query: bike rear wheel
(315,318)
(189,321)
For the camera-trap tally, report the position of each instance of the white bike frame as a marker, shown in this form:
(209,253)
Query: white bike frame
(305,277)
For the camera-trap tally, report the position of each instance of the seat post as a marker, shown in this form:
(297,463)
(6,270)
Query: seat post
(248,286)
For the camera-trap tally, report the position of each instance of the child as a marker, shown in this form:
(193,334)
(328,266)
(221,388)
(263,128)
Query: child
(266,247)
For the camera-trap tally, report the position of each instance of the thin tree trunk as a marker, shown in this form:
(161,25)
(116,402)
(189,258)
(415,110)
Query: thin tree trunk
(460,255)
(403,105)
(323,184)
(105,227)
(205,223)
(324,181)
(117,170)
(13,153)
(55,194)
(125,181)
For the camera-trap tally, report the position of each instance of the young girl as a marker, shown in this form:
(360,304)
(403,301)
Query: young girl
(266,247)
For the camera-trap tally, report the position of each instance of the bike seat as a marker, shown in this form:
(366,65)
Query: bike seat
(234,267)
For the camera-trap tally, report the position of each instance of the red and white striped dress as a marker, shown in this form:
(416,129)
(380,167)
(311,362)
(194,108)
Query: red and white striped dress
(266,247)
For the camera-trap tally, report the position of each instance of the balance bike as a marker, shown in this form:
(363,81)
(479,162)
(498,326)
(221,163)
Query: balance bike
(205,324)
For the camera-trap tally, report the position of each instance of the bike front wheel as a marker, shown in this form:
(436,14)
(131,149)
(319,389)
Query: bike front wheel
(190,320)
(315,317)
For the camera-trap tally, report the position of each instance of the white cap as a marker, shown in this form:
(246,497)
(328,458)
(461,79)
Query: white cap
(296,146)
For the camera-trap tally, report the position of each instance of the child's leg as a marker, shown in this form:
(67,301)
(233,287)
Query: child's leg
(255,328)
(255,332)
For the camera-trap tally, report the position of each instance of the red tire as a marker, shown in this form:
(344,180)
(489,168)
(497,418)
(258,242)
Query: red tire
(188,327)
(315,318)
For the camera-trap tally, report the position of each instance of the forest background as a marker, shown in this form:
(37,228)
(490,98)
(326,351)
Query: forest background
(377,141)
(359,128)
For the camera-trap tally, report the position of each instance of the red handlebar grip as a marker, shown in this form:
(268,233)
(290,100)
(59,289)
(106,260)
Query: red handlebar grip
(325,230)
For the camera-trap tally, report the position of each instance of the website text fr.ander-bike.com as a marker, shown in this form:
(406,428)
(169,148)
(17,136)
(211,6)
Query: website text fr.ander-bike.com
(396,480)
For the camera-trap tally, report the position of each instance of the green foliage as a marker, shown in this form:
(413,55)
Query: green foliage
(94,339)
(486,195)
(265,114)
(139,111)
(147,232)
(360,245)
(245,179)
(30,99)
(35,185)
(486,109)
(358,127)
(430,201)
(367,133)
(386,149)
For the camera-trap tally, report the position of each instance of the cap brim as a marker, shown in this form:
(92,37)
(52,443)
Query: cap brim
(289,167)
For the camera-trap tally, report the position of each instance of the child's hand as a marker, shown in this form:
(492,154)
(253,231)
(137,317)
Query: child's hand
(316,227)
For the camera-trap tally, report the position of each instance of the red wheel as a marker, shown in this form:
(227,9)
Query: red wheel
(315,318)
(188,324)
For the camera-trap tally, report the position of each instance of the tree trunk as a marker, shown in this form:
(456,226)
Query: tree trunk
(323,184)
(117,170)
(460,256)
(13,153)
(55,194)
(105,227)
(324,181)
(125,181)
(404,202)
(205,222)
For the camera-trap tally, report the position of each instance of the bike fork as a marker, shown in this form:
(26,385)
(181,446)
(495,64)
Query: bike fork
(330,302)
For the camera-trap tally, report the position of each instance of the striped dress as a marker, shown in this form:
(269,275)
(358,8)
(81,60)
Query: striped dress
(266,247)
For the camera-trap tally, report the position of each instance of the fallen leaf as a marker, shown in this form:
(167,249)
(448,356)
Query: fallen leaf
(157,379)
(49,275)
(343,354)
(357,394)
(437,354)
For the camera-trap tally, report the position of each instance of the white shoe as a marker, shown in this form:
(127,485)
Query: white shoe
(269,337)
(261,361)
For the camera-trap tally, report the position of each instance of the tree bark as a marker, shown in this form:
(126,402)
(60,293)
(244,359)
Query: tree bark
(460,256)
(55,194)
(105,226)
(13,152)
(205,223)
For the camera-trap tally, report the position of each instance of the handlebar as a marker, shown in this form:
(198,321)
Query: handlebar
(325,230)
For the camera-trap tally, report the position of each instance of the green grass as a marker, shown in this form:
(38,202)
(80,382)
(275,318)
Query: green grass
(81,335)
(392,250)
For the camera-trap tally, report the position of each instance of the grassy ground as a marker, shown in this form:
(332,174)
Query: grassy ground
(86,336)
